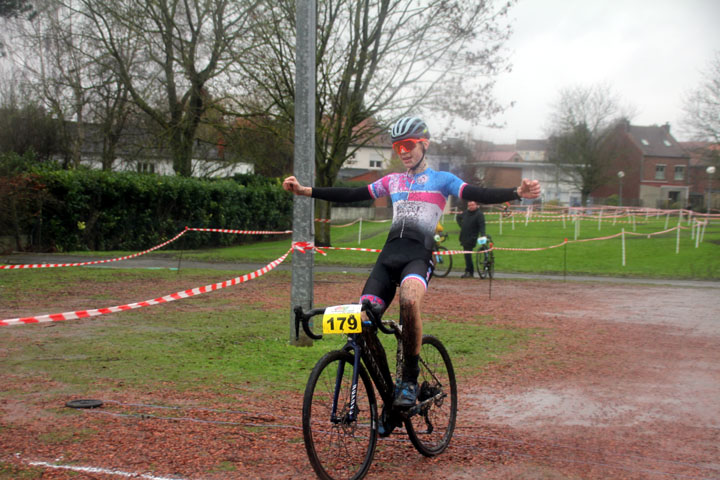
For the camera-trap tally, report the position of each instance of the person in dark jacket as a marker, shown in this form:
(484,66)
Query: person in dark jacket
(472,226)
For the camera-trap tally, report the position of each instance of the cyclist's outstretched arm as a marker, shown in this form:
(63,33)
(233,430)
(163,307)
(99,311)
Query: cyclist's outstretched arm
(528,189)
(332,194)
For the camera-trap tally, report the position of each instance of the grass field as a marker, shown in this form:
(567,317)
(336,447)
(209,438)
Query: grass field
(645,256)
(203,344)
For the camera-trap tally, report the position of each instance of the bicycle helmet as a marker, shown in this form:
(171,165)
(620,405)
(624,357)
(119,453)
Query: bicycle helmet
(409,127)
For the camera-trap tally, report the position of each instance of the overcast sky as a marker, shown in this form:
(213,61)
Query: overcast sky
(650,52)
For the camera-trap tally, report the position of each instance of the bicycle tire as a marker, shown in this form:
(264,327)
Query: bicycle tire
(490,264)
(443,263)
(438,417)
(480,256)
(339,450)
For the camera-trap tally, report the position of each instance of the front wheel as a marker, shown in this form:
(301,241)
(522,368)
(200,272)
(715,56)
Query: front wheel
(430,431)
(443,263)
(340,446)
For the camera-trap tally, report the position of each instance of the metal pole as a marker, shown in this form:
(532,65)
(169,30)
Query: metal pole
(301,292)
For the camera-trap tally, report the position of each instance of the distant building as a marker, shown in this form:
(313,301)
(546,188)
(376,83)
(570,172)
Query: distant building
(702,184)
(507,165)
(655,167)
(139,150)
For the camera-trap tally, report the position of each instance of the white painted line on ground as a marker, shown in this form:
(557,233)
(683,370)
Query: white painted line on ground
(106,471)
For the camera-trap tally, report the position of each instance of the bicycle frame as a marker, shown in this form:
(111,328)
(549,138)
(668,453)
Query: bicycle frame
(367,349)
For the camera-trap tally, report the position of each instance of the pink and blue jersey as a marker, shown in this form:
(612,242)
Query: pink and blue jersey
(418,201)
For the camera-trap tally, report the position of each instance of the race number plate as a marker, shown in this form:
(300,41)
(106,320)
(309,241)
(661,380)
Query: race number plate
(342,319)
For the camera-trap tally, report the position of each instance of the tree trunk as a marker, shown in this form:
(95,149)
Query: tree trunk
(322,229)
(182,154)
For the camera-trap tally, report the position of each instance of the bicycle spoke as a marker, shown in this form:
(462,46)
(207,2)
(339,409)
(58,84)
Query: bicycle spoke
(338,448)
(431,430)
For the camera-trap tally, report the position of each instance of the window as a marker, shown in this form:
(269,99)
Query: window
(375,163)
(667,143)
(146,167)
(659,172)
(679,172)
(644,142)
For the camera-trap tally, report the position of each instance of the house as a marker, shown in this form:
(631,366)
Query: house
(507,165)
(140,150)
(704,185)
(654,166)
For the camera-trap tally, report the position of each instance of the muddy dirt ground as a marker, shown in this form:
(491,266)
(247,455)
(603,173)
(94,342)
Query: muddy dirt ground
(624,385)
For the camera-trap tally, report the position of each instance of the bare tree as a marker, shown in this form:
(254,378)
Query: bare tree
(49,51)
(15,8)
(582,121)
(702,106)
(378,60)
(187,45)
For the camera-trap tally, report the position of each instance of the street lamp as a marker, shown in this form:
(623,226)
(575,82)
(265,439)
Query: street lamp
(710,171)
(621,174)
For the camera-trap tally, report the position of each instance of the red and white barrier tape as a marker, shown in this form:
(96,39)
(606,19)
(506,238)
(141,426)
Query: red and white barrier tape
(327,220)
(58,317)
(355,249)
(304,247)
(346,224)
(94,262)
(134,255)
(241,232)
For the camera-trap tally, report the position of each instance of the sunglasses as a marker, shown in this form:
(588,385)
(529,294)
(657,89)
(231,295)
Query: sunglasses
(408,145)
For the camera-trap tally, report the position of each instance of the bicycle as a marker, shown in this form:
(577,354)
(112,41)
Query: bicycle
(485,258)
(443,263)
(340,415)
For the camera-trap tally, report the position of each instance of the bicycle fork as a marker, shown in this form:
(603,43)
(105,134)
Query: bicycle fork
(351,414)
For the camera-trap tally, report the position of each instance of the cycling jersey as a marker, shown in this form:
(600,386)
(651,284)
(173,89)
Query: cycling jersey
(418,201)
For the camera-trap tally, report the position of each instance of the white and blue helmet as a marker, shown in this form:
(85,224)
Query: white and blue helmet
(409,127)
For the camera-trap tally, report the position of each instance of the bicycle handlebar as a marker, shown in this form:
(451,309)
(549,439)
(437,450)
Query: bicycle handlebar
(374,312)
(303,318)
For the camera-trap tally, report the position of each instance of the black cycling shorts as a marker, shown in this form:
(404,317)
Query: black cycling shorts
(400,259)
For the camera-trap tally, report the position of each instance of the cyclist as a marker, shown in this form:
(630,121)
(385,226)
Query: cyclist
(418,197)
(472,225)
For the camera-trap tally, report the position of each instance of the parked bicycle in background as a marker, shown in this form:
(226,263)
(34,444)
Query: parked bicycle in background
(443,263)
(484,257)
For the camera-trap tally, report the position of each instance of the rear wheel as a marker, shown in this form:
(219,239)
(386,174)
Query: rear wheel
(480,261)
(430,431)
(339,446)
(443,263)
(490,264)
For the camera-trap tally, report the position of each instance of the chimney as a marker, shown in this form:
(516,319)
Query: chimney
(666,127)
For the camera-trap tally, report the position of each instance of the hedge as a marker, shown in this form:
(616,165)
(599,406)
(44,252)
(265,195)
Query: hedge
(96,210)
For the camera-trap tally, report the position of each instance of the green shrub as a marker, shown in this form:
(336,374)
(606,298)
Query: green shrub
(96,210)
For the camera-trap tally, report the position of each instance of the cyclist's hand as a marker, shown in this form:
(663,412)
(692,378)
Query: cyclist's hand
(291,184)
(529,189)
